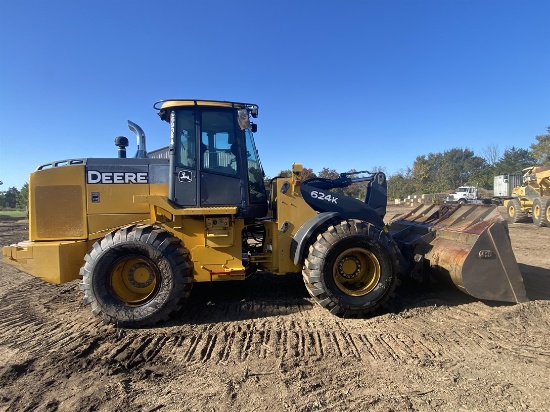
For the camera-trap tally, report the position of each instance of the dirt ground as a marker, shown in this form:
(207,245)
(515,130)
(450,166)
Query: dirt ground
(263,345)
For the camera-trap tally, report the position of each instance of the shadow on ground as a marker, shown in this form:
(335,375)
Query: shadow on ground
(261,295)
(536,281)
(265,295)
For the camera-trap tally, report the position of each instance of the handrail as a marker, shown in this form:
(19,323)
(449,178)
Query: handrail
(59,163)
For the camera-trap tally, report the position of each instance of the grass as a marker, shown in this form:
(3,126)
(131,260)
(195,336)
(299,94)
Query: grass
(12,214)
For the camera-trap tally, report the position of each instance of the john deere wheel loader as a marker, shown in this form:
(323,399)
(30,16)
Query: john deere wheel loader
(140,232)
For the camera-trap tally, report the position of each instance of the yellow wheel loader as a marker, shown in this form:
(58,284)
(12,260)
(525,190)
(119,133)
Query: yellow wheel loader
(531,201)
(139,232)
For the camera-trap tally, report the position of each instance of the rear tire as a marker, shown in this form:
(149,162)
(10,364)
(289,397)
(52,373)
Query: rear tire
(541,211)
(136,276)
(514,213)
(352,268)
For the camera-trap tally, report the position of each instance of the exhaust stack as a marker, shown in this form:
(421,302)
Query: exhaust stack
(140,135)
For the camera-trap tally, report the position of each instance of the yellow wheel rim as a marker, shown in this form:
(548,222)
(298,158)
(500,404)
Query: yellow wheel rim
(134,280)
(511,211)
(356,271)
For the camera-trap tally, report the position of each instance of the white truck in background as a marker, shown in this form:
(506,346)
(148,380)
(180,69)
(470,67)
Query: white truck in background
(465,194)
(503,185)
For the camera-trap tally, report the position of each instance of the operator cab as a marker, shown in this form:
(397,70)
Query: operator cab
(213,158)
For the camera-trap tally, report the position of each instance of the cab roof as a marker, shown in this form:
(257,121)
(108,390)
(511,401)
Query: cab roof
(164,104)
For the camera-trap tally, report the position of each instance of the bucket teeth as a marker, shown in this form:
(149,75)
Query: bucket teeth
(468,244)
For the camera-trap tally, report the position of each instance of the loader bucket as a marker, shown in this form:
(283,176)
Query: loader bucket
(468,244)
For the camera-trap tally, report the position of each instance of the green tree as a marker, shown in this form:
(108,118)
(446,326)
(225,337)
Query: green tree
(401,184)
(477,172)
(422,172)
(23,197)
(8,198)
(439,172)
(514,160)
(541,149)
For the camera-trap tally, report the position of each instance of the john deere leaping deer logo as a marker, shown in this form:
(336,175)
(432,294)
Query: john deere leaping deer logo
(185,176)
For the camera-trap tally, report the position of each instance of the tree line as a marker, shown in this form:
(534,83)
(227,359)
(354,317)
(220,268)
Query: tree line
(14,198)
(442,172)
(431,173)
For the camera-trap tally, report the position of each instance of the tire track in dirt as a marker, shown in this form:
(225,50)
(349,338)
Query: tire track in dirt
(305,335)
(297,341)
(296,346)
(27,325)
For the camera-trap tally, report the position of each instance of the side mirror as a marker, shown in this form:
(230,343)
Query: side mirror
(254,127)
(242,117)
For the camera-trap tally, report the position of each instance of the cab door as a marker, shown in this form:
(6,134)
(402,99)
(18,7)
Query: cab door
(186,184)
(221,182)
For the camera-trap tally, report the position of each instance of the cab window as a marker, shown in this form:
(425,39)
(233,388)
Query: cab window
(185,132)
(219,150)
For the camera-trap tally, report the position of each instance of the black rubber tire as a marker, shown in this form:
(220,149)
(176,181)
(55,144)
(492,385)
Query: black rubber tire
(351,241)
(546,210)
(462,202)
(136,276)
(514,214)
(541,210)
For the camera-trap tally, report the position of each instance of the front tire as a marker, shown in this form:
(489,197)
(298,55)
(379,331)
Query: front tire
(136,276)
(541,211)
(352,268)
(514,213)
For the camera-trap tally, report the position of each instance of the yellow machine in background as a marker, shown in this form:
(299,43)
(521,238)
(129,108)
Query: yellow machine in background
(531,202)
(140,231)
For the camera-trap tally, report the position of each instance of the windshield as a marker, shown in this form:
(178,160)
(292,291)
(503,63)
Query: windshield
(255,171)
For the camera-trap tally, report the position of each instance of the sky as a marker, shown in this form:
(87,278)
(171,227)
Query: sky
(348,84)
